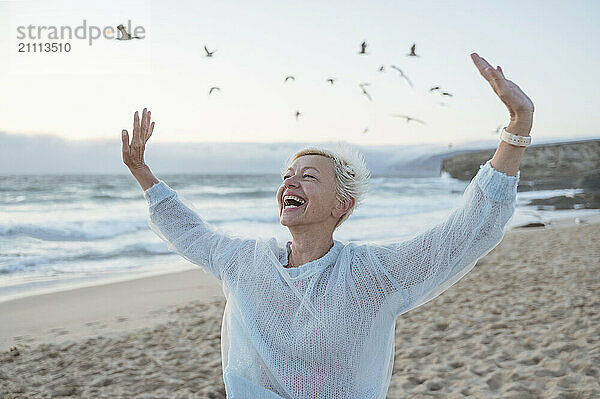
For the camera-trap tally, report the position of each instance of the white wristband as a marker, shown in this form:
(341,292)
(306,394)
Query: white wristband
(515,139)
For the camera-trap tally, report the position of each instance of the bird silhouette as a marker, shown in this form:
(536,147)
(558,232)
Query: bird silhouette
(447,94)
(381,68)
(408,118)
(209,53)
(289,77)
(298,114)
(124,34)
(330,80)
(213,88)
(412,51)
(362,87)
(434,88)
(363,48)
(402,74)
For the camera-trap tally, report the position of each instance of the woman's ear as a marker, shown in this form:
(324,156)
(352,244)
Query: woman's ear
(343,206)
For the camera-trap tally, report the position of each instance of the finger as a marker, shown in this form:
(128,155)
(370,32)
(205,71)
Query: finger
(148,116)
(125,141)
(484,67)
(501,72)
(494,77)
(136,127)
(479,62)
(144,122)
(151,130)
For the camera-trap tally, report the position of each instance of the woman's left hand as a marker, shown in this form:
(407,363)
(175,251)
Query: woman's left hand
(519,105)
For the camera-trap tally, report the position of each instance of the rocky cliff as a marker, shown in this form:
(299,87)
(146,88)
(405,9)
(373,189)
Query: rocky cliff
(573,164)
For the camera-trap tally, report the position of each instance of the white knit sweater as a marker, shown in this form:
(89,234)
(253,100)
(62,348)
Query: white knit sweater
(325,329)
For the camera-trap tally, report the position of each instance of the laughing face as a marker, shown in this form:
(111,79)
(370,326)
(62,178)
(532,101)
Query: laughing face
(307,194)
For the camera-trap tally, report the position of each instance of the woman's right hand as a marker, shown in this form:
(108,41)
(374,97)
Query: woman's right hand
(133,154)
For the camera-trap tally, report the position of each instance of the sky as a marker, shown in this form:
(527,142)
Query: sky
(548,48)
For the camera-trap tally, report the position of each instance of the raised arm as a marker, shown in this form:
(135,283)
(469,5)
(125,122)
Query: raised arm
(174,221)
(520,108)
(419,269)
(186,233)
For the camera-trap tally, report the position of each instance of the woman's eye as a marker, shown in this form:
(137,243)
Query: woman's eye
(305,175)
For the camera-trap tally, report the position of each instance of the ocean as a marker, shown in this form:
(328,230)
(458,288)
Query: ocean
(64,231)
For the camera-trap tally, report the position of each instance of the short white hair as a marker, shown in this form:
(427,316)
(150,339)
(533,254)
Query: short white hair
(351,173)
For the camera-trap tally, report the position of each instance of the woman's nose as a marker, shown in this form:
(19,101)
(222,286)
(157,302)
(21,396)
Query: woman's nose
(290,181)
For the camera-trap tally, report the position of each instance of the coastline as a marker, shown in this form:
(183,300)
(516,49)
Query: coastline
(121,303)
(523,322)
(522,217)
(111,307)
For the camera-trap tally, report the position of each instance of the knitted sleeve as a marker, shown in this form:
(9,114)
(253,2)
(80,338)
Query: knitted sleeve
(189,235)
(419,269)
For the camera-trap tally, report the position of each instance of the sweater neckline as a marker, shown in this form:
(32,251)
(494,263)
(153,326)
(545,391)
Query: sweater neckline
(309,268)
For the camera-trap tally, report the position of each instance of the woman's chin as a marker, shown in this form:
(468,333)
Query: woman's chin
(288,220)
(285,221)
(295,215)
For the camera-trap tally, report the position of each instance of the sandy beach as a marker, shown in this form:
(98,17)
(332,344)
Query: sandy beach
(525,323)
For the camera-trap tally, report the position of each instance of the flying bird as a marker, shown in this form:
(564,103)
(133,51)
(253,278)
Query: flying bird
(381,68)
(412,51)
(443,93)
(298,114)
(408,118)
(289,77)
(363,48)
(362,87)
(209,53)
(330,80)
(124,34)
(213,88)
(402,74)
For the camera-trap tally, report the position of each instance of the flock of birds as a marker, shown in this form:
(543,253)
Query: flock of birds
(363,51)
(363,85)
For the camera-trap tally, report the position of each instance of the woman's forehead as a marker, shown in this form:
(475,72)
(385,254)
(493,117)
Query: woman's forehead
(322,163)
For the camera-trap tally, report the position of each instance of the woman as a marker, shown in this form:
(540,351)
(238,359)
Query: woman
(317,319)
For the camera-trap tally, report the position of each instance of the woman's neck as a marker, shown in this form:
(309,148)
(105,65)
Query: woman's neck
(308,250)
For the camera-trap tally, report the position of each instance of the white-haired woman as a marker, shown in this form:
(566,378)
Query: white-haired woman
(316,319)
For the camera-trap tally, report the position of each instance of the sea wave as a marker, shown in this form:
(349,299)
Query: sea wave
(12,264)
(74,231)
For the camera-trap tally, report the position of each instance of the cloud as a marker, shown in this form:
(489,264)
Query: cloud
(47,154)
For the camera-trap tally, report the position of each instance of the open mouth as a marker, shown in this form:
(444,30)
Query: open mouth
(291,202)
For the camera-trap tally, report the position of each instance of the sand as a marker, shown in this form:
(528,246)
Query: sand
(525,323)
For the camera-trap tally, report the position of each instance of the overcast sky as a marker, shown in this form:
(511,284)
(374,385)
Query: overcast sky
(549,48)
